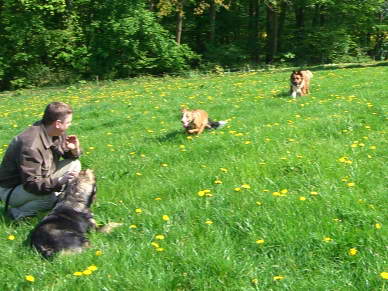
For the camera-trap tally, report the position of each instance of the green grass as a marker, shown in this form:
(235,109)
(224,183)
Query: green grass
(281,150)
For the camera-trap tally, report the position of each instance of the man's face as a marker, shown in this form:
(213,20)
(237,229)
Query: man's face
(62,125)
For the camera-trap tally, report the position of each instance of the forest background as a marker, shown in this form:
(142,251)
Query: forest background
(53,42)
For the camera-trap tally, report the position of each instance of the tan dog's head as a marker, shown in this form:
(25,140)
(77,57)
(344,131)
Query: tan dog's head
(187,117)
(82,190)
(296,78)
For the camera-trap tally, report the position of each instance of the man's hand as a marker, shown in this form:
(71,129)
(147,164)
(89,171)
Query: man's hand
(72,144)
(67,177)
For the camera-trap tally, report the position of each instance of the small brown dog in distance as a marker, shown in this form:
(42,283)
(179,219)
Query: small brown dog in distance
(195,121)
(300,83)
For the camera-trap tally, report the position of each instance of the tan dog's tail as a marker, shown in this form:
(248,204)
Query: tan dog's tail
(309,74)
(217,124)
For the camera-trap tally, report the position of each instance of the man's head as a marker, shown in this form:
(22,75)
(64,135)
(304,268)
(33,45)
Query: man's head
(57,118)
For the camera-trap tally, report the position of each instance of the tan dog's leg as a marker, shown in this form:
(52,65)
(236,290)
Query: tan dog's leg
(307,86)
(201,129)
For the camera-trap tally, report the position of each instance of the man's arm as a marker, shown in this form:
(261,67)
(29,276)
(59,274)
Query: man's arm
(35,174)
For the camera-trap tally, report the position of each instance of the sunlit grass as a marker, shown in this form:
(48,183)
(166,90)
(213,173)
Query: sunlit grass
(290,195)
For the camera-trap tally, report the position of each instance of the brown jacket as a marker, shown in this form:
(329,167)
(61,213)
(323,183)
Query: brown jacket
(31,159)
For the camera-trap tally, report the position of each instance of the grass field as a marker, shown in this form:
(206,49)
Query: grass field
(290,195)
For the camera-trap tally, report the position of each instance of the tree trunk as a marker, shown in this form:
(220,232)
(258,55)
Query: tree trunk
(282,19)
(213,11)
(253,26)
(272,34)
(179,23)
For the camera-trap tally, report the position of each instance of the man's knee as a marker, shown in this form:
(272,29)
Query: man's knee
(76,165)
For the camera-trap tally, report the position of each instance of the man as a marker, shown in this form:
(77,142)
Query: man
(32,173)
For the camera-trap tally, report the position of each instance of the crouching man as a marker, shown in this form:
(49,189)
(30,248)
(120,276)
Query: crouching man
(39,163)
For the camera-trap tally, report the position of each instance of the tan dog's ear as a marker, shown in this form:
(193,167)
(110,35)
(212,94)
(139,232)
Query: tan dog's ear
(184,110)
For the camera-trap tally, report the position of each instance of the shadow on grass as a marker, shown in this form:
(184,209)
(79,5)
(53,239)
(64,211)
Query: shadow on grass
(171,136)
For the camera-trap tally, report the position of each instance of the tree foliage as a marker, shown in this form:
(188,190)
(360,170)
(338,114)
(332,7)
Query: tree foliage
(58,41)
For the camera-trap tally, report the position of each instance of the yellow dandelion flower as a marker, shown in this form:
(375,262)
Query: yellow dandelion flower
(343,159)
(246,186)
(164,165)
(155,245)
(92,268)
(132,226)
(260,241)
(302,198)
(372,147)
(77,274)
(201,193)
(237,189)
(158,199)
(327,239)
(30,278)
(351,184)
(159,249)
(276,193)
(313,193)
(278,278)
(352,252)
(98,253)
(165,218)
(384,275)
(255,281)
(258,203)
(284,191)
(217,182)
(87,272)
(224,170)
(378,225)
(337,220)
(159,237)
(11,237)
(138,210)
(139,174)
(209,222)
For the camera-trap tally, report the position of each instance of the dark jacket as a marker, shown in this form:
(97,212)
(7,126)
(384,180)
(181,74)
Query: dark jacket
(31,159)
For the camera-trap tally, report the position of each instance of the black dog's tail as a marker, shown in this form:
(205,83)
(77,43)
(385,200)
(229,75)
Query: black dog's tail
(217,124)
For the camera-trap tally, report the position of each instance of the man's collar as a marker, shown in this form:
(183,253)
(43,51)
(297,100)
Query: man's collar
(46,139)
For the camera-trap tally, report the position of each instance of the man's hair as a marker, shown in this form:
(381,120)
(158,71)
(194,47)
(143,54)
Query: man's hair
(56,111)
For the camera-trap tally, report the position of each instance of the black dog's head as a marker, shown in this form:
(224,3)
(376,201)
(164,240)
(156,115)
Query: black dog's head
(81,191)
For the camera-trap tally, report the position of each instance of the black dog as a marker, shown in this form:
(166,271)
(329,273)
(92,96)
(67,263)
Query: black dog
(64,229)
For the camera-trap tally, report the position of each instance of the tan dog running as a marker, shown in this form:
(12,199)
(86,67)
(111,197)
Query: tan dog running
(195,121)
(300,83)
